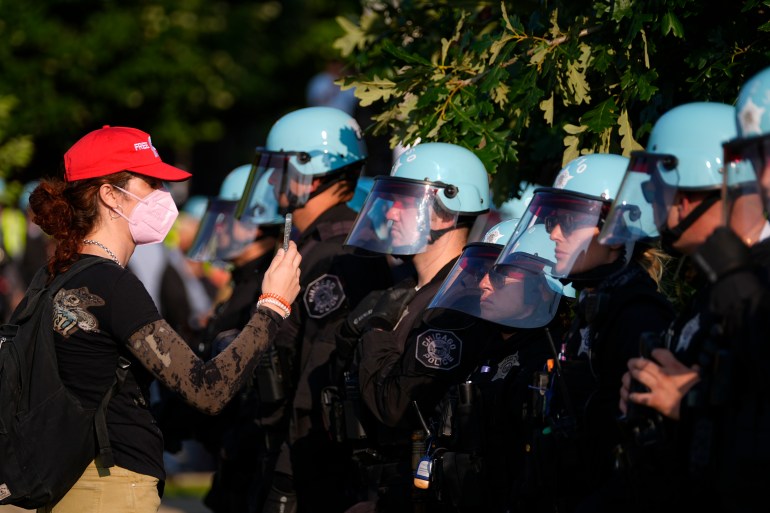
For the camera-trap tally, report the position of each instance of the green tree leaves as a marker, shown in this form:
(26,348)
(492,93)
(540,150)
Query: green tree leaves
(530,85)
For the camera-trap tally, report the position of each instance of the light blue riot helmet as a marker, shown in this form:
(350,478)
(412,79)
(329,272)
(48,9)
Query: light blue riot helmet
(304,145)
(26,190)
(572,210)
(432,188)
(221,237)
(747,155)
(684,153)
(512,208)
(195,206)
(517,294)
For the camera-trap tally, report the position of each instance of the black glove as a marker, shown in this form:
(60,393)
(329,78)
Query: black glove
(349,333)
(357,319)
(722,253)
(380,309)
(391,305)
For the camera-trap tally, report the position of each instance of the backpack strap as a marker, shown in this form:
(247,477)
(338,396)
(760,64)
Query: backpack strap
(100,416)
(38,286)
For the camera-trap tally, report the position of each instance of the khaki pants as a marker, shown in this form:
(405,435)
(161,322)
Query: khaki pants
(109,490)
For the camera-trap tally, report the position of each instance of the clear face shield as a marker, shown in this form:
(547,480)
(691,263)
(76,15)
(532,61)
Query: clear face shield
(572,221)
(646,194)
(746,186)
(221,237)
(400,217)
(522,276)
(292,189)
(515,295)
(461,290)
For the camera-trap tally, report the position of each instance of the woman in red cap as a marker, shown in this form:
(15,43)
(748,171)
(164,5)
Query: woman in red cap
(111,200)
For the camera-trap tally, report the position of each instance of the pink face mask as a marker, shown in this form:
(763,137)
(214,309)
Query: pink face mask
(152,217)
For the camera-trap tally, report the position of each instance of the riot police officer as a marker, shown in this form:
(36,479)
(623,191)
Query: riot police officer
(725,404)
(481,452)
(673,190)
(618,300)
(422,212)
(245,246)
(313,157)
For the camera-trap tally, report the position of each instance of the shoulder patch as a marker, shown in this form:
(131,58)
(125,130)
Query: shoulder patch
(688,331)
(438,349)
(505,366)
(323,296)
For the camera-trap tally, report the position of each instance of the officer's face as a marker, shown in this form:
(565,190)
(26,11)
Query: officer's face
(290,187)
(502,296)
(698,231)
(405,224)
(577,246)
(233,236)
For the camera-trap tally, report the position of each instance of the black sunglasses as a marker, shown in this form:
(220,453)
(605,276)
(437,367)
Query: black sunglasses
(497,278)
(568,222)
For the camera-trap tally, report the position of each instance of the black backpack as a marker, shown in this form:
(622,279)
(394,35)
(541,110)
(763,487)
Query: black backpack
(47,439)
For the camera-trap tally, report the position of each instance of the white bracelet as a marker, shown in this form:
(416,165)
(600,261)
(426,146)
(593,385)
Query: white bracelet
(273,301)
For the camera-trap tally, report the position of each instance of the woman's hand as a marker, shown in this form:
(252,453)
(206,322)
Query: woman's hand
(282,277)
(667,378)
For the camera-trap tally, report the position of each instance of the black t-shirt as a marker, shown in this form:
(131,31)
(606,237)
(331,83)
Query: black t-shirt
(95,313)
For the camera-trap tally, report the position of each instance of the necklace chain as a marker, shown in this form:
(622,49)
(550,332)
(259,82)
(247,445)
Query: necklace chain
(105,248)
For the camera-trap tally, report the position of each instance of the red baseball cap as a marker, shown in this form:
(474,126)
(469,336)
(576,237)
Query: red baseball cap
(112,149)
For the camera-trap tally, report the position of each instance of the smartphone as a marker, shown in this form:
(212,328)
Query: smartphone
(286,232)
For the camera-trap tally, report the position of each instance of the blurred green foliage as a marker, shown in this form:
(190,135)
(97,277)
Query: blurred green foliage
(205,78)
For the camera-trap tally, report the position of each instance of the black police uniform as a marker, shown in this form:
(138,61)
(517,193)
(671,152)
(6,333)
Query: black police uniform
(415,363)
(656,448)
(578,449)
(727,414)
(482,460)
(333,279)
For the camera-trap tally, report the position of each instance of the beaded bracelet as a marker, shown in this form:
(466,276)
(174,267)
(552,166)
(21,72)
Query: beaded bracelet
(272,301)
(278,298)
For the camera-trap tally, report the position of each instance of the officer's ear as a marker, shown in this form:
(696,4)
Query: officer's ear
(315,184)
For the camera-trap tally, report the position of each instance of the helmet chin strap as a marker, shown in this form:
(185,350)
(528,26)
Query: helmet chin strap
(463,221)
(436,234)
(668,236)
(628,250)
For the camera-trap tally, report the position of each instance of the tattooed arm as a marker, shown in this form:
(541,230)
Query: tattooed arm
(208,386)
